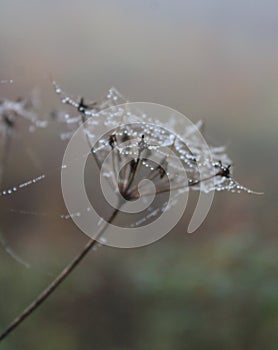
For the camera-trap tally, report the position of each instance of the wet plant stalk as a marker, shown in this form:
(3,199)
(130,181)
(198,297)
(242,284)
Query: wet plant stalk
(58,280)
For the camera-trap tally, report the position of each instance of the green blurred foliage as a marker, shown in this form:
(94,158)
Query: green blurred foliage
(220,294)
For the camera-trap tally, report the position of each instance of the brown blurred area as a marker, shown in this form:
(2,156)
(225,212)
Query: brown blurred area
(211,60)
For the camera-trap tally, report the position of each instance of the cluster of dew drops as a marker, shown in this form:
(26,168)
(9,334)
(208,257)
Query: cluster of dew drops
(25,109)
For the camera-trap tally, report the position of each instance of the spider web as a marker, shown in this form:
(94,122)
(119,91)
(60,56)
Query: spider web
(155,140)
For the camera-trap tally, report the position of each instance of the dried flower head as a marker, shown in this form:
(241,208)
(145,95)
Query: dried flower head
(149,161)
(134,143)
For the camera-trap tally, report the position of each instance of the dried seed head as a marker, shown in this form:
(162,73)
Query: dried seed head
(134,141)
(144,150)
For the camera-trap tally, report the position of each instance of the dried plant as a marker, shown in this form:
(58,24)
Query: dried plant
(130,145)
(133,145)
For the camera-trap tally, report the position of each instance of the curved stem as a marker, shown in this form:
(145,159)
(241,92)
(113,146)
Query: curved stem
(58,280)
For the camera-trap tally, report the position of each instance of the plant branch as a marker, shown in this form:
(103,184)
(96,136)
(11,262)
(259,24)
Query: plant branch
(57,281)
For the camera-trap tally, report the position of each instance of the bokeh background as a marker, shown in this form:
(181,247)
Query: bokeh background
(213,60)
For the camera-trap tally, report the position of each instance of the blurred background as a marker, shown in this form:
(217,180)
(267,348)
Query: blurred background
(213,60)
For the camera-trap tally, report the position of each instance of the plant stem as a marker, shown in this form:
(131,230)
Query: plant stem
(57,281)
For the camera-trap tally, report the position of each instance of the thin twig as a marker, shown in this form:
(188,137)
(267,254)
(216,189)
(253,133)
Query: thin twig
(57,281)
